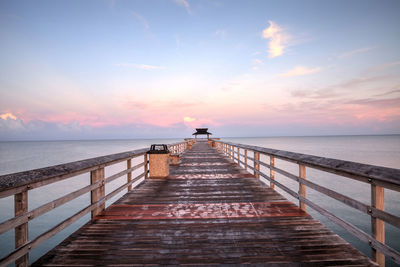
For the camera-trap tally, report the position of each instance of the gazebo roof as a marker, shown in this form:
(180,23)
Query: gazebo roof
(201,131)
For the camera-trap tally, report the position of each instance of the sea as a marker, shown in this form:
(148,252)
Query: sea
(381,150)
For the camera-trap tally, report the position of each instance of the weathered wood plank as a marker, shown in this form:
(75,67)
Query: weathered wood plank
(203,219)
(377,225)
(302,187)
(21,231)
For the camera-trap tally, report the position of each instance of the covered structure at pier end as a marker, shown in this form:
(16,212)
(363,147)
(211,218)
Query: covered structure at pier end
(202,131)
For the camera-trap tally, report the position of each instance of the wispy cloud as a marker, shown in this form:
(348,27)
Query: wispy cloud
(278,39)
(396,91)
(139,66)
(355,52)
(220,33)
(299,71)
(111,2)
(256,63)
(185,4)
(141,19)
(382,67)
(383,103)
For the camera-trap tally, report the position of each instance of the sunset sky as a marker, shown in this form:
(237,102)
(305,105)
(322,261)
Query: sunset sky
(135,69)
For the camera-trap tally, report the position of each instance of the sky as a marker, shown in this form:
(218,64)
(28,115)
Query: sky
(114,69)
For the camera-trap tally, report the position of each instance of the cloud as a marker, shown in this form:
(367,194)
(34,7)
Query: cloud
(140,66)
(278,39)
(396,91)
(141,19)
(220,33)
(382,67)
(256,63)
(356,51)
(299,71)
(381,103)
(188,119)
(8,115)
(185,4)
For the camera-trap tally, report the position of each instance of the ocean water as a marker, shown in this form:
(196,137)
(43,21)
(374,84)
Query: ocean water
(376,150)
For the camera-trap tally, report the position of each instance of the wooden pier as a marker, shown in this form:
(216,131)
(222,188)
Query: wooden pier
(208,211)
(215,205)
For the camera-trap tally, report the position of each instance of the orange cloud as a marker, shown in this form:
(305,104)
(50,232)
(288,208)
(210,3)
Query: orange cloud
(7,115)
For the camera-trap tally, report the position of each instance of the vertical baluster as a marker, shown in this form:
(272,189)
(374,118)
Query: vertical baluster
(377,225)
(245,159)
(129,175)
(98,193)
(146,166)
(302,187)
(238,154)
(21,232)
(256,164)
(271,171)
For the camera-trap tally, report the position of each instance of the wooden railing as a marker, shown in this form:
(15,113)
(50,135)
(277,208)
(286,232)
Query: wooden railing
(378,177)
(18,184)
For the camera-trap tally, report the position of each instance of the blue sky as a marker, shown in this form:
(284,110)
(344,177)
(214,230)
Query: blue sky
(132,69)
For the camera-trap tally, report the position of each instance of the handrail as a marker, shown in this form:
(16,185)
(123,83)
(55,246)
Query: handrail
(18,184)
(389,177)
(378,177)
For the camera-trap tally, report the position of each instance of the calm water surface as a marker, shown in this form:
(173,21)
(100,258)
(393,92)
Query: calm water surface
(376,150)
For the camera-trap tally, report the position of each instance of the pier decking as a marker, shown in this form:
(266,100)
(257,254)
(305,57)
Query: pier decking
(208,211)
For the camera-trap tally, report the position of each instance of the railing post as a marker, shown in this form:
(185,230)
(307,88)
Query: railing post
(302,187)
(233,153)
(146,166)
(245,159)
(271,171)
(377,225)
(98,193)
(21,232)
(238,153)
(256,164)
(129,175)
